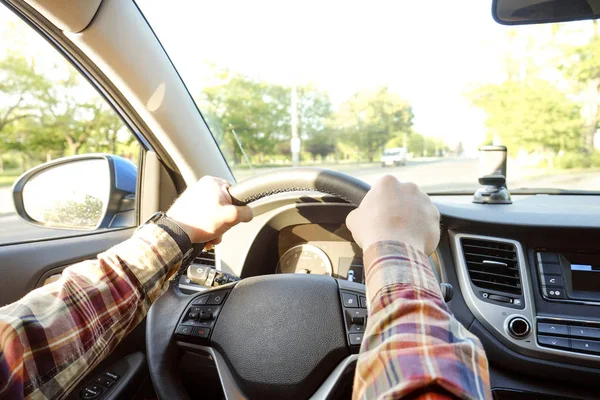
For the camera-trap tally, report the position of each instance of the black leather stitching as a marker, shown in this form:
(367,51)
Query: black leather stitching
(259,196)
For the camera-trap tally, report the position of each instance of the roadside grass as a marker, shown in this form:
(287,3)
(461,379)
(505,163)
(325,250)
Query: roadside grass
(8,177)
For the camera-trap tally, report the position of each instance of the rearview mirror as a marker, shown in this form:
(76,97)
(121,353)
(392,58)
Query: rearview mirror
(521,12)
(82,192)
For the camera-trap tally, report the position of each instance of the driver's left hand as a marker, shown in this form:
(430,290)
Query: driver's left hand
(205,211)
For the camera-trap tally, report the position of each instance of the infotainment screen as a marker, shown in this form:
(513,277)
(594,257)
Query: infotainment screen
(585,272)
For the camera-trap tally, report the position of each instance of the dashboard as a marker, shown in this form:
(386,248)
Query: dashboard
(323,249)
(526,277)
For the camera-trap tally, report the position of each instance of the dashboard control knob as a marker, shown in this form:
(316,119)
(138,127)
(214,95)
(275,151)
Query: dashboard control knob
(519,327)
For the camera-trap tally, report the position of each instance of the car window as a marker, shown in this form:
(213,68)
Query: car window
(336,84)
(48,111)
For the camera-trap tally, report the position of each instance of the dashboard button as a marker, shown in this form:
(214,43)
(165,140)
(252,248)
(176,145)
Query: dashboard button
(585,331)
(553,341)
(589,346)
(501,299)
(551,280)
(355,339)
(553,329)
(554,293)
(216,298)
(201,332)
(105,381)
(363,302)
(545,257)
(350,300)
(184,330)
(91,392)
(200,301)
(356,328)
(550,269)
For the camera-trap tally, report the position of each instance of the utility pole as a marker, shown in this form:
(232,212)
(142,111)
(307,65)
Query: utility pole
(295,142)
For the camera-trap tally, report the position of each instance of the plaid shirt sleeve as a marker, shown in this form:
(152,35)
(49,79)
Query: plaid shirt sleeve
(51,338)
(413,345)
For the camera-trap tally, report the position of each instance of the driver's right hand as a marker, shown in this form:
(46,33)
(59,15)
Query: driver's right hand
(396,211)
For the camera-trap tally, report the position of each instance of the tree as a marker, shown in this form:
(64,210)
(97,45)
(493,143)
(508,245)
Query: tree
(581,64)
(24,91)
(257,111)
(532,115)
(314,113)
(370,119)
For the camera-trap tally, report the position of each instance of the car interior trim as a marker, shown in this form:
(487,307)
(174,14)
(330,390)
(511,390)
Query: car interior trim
(233,392)
(119,37)
(494,317)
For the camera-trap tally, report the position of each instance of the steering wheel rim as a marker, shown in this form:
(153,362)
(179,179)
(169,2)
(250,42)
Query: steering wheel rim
(163,351)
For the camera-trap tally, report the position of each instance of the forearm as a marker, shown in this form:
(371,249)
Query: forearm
(53,336)
(413,345)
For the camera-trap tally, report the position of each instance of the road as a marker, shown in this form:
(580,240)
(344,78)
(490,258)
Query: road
(432,175)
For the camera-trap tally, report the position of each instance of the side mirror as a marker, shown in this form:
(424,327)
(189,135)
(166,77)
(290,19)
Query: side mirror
(86,192)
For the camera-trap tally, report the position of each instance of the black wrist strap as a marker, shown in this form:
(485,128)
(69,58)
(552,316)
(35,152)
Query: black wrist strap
(176,232)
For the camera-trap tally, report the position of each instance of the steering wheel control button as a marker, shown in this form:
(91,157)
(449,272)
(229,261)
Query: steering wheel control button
(553,293)
(193,315)
(105,381)
(358,320)
(519,327)
(201,332)
(350,300)
(91,392)
(355,339)
(553,341)
(112,375)
(205,316)
(588,346)
(184,330)
(363,302)
(216,298)
(200,301)
(552,329)
(585,332)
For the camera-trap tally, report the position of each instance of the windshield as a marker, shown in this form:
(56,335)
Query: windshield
(334,84)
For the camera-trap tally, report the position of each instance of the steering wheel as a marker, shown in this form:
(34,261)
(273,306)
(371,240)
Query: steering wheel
(274,336)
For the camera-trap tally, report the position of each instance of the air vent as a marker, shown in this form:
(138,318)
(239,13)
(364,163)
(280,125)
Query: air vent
(492,265)
(206,258)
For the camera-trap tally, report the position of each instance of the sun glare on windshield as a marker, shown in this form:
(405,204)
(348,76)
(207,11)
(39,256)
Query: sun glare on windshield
(391,88)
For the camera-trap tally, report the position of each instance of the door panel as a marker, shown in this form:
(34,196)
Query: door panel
(25,266)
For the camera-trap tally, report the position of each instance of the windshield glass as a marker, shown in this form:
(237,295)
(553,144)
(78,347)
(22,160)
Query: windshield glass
(334,84)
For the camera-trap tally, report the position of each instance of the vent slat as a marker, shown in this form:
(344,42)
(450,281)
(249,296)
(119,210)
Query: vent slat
(487,248)
(500,273)
(488,256)
(481,264)
(497,275)
(206,258)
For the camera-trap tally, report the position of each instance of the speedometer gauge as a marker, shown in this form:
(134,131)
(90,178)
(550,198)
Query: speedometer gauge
(305,259)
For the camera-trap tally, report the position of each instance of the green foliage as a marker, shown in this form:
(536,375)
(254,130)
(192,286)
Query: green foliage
(256,111)
(573,160)
(43,118)
(369,120)
(259,114)
(532,115)
(75,214)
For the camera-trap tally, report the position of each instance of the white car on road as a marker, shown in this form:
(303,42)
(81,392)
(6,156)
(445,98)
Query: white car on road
(394,157)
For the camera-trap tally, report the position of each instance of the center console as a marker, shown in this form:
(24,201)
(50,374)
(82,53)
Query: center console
(543,303)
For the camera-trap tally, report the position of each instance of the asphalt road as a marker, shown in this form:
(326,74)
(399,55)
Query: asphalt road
(432,175)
